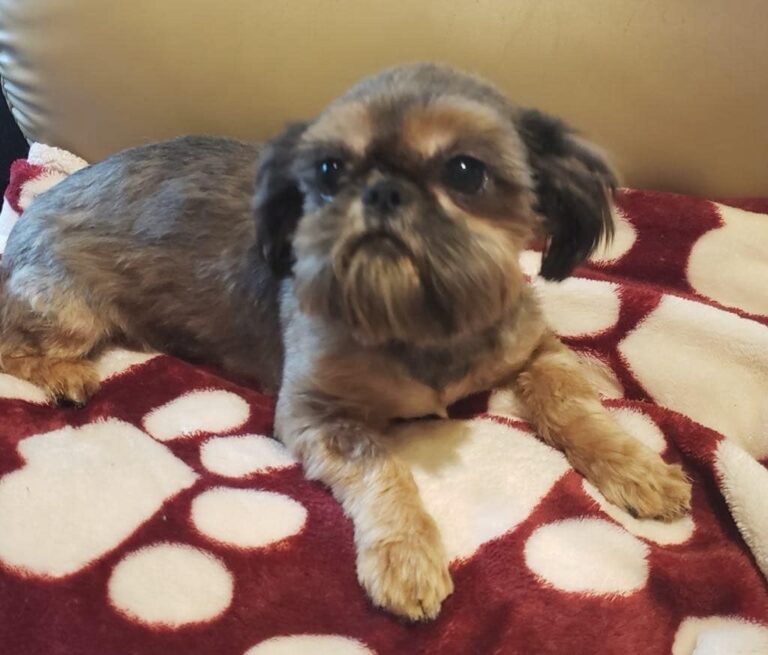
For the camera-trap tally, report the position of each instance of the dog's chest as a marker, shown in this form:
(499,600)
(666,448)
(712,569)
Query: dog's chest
(441,368)
(433,379)
(446,375)
(405,381)
(386,386)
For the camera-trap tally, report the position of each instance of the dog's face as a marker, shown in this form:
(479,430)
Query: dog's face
(402,209)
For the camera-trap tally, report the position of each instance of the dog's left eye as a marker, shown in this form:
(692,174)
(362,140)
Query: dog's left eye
(329,172)
(464,174)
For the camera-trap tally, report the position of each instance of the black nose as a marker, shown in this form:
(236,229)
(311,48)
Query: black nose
(385,197)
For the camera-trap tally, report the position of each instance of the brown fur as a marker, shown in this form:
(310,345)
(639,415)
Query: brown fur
(69,379)
(349,123)
(567,413)
(400,557)
(53,355)
(441,125)
(359,312)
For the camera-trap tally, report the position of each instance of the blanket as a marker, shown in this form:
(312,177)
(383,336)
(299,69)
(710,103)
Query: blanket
(162,518)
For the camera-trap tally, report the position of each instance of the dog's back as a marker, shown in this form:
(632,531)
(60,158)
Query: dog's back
(154,245)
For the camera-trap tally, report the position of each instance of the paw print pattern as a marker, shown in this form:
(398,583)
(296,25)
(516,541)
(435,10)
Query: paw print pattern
(242,455)
(82,491)
(195,413)
(713,355)
(166,512)
(720,634)
(472,500)
(731,282)
(587,555)
(246,518)
(170,585)
(456,466)
(196,586)
(315,644)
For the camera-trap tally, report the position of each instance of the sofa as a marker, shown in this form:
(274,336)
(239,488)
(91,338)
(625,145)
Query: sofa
(163,518)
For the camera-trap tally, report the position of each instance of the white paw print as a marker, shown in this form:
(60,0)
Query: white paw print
(480,479)
(83,491)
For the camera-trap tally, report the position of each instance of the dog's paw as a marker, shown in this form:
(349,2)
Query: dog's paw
(63,381)
(71,382)
(406,573)
(645,485)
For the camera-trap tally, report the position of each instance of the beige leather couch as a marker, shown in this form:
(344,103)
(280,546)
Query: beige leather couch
(677,89)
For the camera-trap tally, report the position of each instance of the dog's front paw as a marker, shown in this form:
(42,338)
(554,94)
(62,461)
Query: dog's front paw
(406,573)
(645,485)
(69,382)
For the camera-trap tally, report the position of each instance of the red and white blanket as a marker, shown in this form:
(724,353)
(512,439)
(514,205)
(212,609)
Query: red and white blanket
(162,519)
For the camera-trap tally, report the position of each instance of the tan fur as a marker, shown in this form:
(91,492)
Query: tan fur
(349,123)
(378,287)
(71,379)
(52,355)
(436,127)
(400,558)
(513,235)
(392,312)
(401,561)
(342,374)
(516,342)
(346,377)
(568,414)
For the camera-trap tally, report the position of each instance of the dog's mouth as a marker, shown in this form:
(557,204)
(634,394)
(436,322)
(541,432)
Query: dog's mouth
(374,242)
(375,239)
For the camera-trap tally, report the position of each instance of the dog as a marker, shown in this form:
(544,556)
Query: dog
(364,266)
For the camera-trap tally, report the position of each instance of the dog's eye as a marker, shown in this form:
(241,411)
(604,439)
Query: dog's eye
(329,172)
(464,174)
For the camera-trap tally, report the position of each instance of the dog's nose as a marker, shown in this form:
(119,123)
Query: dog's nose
(385,197)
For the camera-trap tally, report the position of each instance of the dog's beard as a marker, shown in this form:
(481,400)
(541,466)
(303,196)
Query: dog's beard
(382,296)
(418,291)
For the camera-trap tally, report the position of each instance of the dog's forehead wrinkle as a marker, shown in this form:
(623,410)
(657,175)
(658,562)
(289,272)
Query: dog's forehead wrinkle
(389,158)
(409,128)
(452,126)
(348,124)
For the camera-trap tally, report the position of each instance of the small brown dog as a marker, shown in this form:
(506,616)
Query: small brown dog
(378,280)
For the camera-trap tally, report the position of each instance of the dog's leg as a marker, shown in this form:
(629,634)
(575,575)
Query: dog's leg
(401,562)
(568,414)
(50,350)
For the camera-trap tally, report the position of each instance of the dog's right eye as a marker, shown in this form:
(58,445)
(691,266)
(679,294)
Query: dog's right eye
(329,172)
(465,174)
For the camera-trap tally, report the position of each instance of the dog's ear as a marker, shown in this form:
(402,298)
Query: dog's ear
(278,201)
(574,187)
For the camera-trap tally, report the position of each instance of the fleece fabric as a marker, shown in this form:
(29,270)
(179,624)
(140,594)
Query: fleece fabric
(163,519)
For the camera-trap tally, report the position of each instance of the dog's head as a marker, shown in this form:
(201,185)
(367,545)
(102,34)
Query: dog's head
(402,209)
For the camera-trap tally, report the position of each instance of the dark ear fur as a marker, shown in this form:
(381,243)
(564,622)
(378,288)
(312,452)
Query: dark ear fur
(574,187)
(278,201)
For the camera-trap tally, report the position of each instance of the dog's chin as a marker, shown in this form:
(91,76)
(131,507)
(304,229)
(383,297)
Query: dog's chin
(380,290)
(383,292)
(383,243)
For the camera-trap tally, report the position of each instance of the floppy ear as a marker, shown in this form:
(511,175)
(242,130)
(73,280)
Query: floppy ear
(278,201)
(574,187)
